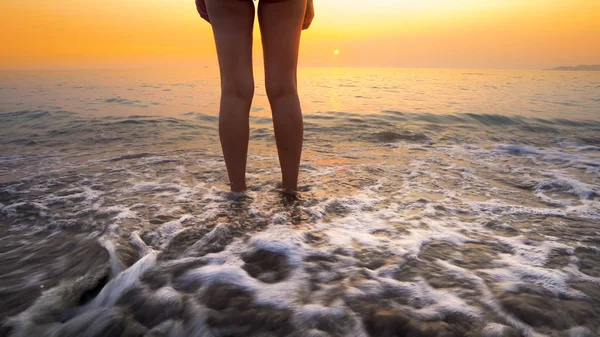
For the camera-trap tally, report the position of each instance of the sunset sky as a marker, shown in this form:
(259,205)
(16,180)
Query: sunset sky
(40,34)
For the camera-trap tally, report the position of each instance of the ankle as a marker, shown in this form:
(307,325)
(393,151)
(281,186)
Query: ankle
(239,188)
(289,189)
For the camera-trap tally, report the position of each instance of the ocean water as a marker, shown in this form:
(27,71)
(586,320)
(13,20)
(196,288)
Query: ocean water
(434,203)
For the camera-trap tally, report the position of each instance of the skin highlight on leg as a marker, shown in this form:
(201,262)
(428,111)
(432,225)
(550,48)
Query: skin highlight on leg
(281,25)
(232,22)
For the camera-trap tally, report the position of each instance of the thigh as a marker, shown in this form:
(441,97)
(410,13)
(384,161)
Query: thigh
(281,27)
(232,22)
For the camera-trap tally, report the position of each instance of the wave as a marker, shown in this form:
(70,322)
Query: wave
(384,116)
(488,119)
(44,128)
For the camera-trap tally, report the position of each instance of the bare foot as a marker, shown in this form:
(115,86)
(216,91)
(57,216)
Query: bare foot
(289,197)
(239,196)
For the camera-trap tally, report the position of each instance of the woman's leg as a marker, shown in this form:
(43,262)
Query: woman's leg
(232,22)
(280,26)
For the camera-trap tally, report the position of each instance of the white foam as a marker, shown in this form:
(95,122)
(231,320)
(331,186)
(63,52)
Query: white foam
(218,233)
(552,281)
(575,187)
(529,252)
(589,148)
(361,202)
(169,229)
(282,242)
(488,298)
(152,187)
(115,288)
(550,156)
(356,228)
(280,218)
(438,231)
(579,331)
(118,213)
(141,248)
(89,195)
(430,303)
(307,317)
(10,211)
(215,199)
(284,294)
(497,207)
(116,264)
(494,330)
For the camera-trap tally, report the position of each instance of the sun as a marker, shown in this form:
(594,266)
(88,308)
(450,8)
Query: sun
(336,52)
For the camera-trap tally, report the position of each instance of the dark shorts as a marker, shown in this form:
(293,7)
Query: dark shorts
(201,2)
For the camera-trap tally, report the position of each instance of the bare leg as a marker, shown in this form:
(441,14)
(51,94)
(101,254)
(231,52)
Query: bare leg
(232,22)
(281,26)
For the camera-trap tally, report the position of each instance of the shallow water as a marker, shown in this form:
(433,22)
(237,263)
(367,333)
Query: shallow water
(435,203)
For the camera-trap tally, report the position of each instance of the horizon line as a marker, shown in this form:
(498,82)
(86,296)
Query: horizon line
(113,68)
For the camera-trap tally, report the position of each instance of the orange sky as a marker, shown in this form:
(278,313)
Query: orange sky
(375,33)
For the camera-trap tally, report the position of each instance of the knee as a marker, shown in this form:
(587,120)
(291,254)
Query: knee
(238,87)
(278,87)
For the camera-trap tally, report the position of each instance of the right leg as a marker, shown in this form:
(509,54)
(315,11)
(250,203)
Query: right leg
(232,22)
(281,25)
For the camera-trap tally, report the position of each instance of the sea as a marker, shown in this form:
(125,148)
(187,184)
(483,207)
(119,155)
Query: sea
(434,202)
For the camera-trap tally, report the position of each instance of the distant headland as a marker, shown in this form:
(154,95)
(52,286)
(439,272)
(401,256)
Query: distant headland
(595,67)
